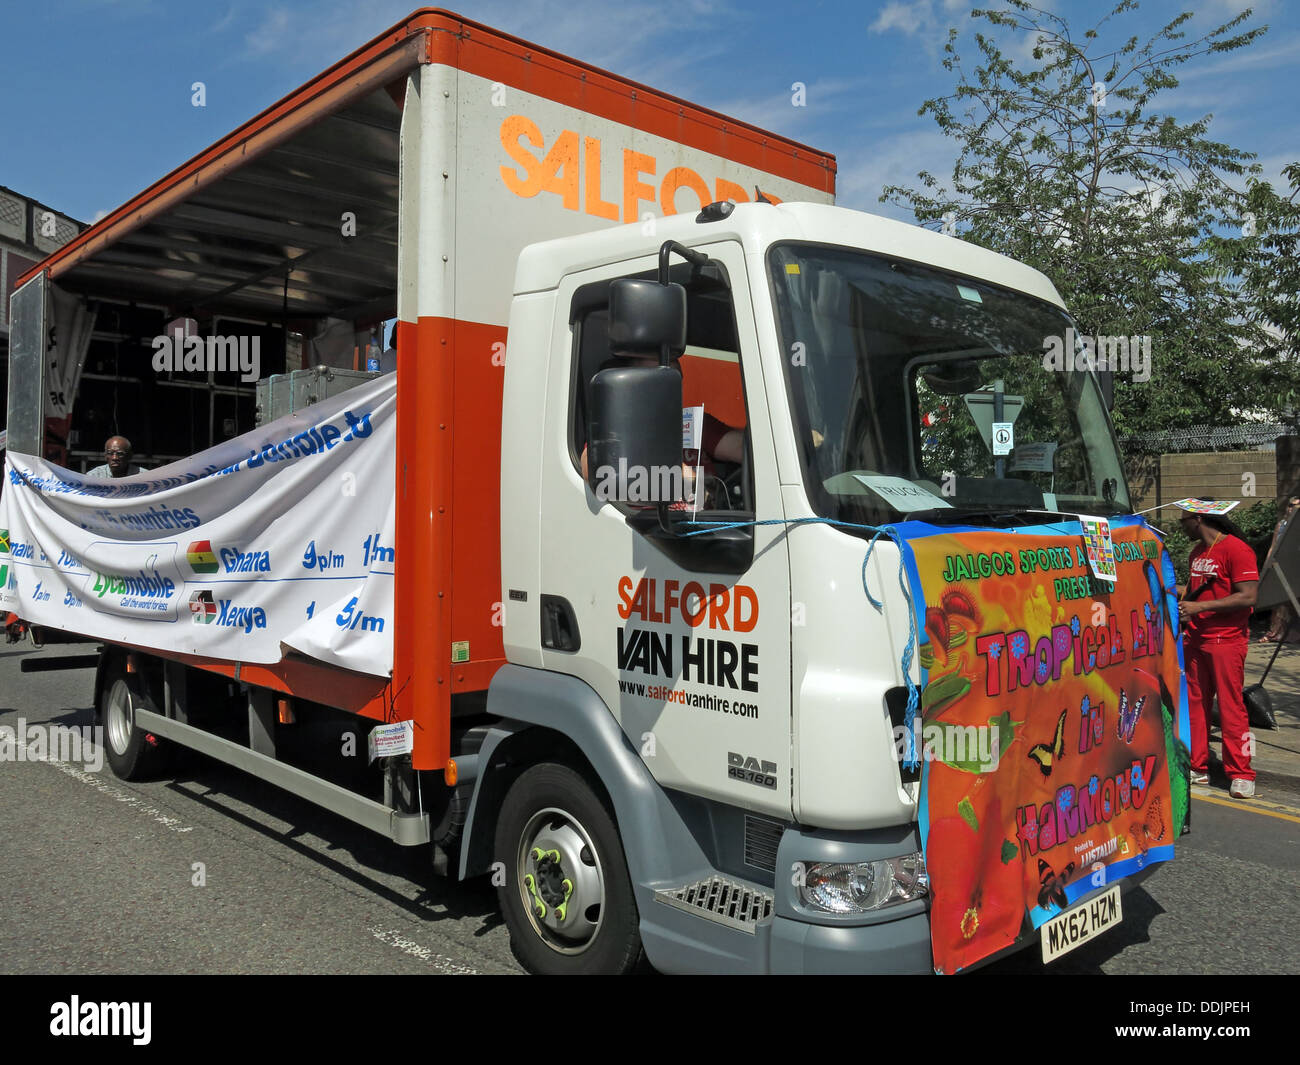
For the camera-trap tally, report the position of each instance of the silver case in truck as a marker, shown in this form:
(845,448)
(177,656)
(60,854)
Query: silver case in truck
(283,393)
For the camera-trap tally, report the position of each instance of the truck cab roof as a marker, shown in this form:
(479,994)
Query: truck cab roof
(757,226)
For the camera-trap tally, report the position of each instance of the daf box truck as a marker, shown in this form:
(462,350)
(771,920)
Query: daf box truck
(725,573)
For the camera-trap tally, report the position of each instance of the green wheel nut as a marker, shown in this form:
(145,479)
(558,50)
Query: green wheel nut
(563,907)
(539,907)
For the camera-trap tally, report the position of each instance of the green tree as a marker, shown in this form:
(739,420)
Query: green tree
(1266,259)
(1066,164)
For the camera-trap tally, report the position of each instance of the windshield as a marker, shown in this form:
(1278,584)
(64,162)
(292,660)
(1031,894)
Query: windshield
(914,389)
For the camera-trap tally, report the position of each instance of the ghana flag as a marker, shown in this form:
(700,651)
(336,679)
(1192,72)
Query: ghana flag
(200,557)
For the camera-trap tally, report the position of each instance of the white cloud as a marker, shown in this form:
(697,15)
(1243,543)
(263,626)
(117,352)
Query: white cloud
(1272,168)
(905,15)
(225,22)
(825,103)
(916,17)
(658,44)
(1262,55)
(865,169)
(1224,10)
(274,33)
(922,19)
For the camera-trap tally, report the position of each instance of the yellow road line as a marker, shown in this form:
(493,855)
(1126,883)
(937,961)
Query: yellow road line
(1254,807)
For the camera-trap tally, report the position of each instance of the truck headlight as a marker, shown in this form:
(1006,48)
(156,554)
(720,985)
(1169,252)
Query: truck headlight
(860,887)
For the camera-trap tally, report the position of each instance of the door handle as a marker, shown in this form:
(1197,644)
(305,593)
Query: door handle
(559,625)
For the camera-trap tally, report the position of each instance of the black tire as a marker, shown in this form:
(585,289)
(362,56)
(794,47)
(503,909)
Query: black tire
(592,927)
(131,753)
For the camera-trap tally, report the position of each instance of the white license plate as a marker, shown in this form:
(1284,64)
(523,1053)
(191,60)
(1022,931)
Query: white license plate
(1081,924)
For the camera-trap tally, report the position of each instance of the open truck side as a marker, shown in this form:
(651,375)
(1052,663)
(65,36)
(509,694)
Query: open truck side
(677,741)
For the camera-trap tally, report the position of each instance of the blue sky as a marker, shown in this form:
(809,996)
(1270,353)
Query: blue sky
(98,98)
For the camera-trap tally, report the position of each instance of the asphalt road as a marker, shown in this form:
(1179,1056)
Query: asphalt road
(99,876)
(212,871)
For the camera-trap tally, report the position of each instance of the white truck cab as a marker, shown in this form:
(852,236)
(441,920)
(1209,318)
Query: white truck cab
(756,688)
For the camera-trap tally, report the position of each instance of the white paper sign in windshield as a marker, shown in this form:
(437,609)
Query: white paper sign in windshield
(692,428)
(1033,458)
(900,493)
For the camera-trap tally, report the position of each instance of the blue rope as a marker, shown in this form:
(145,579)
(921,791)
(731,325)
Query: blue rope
(911,760)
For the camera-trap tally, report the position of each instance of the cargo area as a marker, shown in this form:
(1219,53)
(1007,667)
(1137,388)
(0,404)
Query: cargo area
(254,238)
(257,280)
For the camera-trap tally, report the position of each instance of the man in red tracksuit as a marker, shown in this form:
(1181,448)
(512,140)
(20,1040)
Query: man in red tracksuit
(1215,609)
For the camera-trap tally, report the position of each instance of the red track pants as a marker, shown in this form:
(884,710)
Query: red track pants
(1218,667)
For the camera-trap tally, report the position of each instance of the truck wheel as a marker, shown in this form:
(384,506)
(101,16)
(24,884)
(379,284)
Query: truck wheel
(131,753)
(567,898)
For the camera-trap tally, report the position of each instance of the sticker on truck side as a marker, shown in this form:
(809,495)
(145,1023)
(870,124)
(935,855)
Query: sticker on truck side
(388,741)
(724,668)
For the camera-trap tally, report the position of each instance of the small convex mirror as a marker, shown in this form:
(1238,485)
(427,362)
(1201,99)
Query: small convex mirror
(644,316)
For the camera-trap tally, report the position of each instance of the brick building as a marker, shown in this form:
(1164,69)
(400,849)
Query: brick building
(29,231)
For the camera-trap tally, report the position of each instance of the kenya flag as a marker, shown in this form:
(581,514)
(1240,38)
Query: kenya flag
(202,607)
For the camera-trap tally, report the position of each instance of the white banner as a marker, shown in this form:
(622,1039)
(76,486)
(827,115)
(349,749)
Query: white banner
(280,539)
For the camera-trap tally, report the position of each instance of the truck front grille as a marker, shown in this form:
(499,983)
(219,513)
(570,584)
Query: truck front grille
(762,837)
(721,900)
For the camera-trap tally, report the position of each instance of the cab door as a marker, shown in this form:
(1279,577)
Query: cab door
(686,639)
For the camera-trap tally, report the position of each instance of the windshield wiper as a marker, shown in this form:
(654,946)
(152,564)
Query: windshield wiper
(960,516)
(995,516)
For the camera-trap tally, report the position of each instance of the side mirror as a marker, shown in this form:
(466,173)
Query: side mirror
(645,315)
(1106,379)
(634,435)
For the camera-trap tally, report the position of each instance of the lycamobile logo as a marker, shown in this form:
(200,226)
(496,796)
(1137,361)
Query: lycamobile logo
(200,557)
(142,584)
(202,607)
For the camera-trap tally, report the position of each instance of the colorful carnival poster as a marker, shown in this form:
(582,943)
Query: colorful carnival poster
(1069,693)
